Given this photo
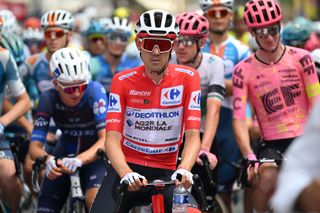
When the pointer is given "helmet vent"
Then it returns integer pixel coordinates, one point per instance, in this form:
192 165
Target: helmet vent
71 56
147 19
195 25
75 69
168 20
158 17
265 15
60 68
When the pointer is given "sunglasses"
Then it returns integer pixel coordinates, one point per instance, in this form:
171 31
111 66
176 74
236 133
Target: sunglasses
96 39
264 32
73 88
114 37
52 34
187 42
148 44
222 13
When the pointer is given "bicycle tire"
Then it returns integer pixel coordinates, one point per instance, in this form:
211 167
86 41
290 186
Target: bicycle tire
218 206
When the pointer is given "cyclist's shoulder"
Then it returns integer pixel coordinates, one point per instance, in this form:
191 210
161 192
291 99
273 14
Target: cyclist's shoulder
33 59
296 52
179 70
209 58
95 88
129 73
49 96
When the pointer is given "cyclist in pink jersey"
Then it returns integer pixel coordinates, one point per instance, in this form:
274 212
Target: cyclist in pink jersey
281 83
151 107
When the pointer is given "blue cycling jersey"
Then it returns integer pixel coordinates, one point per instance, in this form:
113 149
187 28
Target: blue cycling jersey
36 67
231 51
79 124
101 70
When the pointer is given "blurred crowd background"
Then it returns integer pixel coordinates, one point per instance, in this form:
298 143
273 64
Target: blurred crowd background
84 9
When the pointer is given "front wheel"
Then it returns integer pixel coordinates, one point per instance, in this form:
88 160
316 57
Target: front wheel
78 207
218 206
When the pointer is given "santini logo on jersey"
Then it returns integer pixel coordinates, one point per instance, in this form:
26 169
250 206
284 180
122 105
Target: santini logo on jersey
194 103
127 75
114 103
171 96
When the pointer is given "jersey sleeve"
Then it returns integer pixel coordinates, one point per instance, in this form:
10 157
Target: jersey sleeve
192 112
217 86
115 114
99 105
310 78
42 118
13 80
240 92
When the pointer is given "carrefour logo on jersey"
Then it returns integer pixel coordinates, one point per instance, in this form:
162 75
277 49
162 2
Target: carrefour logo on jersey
114 103
194 103
171 96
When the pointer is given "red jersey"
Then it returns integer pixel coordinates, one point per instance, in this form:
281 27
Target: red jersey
152 117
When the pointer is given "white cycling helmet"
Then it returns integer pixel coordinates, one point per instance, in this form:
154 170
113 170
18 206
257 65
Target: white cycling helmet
316 57
10 23
157 23
69 65
57 18
207 4
117 24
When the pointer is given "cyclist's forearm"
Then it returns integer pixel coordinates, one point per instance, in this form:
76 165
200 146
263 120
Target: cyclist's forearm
90 154
191 149
115 153
241 133
36 150
228 84
17 110
211 123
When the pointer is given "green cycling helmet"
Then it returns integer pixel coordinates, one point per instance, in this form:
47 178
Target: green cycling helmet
14 44
295 34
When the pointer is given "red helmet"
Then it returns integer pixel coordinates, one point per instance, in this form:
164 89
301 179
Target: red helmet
262 13
193 24
32 22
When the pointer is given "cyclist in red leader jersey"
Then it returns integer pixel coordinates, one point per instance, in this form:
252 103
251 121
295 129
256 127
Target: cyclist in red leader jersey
281 83
150 108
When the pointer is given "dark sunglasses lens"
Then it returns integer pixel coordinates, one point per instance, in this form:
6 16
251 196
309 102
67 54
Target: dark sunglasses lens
55 33
80 88
164 45
218 13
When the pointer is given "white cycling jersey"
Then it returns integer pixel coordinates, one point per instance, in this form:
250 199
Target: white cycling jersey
211 71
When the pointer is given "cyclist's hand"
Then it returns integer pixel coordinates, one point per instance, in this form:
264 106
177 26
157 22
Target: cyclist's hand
71 164
183 177
252 157
211 157
135 181
52 168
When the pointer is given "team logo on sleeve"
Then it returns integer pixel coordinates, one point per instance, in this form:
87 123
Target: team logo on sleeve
99 107
194 103
171 96
114 103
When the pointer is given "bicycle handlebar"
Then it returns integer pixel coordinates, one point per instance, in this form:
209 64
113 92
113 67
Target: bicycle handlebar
35 173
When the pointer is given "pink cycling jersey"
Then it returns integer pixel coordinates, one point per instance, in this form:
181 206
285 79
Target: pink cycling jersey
281 93
152 117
